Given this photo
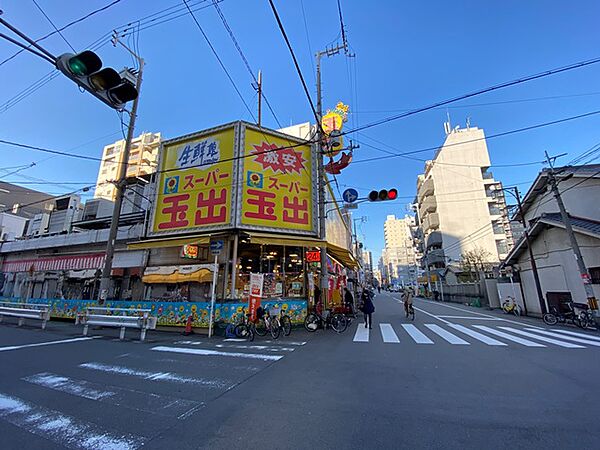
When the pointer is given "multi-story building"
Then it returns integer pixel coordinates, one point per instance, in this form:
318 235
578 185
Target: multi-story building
399 252
143 157
461 207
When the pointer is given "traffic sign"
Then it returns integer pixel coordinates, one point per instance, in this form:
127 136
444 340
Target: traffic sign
350 195
350 205
216 247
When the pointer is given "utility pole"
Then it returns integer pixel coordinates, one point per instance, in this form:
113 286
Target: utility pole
320 170
536 276
120 182
259 88
585 276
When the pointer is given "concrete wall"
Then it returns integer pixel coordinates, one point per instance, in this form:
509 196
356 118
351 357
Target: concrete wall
557 267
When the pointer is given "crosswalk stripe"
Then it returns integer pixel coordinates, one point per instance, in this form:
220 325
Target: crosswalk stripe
416 334
446 335
475 335
542 338
66 431
388 334
202 352
568 338
509 337
362 334
586 336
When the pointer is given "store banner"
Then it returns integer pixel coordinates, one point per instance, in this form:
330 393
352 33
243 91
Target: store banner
71 262
256 292
278 184
194 189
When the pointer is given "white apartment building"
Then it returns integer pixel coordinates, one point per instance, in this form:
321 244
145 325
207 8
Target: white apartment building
461 207
399 252
143 158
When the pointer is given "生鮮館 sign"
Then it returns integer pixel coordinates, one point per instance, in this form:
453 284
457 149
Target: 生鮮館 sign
235 176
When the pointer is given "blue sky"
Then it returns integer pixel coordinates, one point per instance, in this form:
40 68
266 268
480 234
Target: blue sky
408 54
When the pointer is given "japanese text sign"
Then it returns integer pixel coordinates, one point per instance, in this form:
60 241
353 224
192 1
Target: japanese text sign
195 184
277 184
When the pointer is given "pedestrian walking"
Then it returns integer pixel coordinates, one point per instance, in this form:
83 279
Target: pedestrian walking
349 301
367 309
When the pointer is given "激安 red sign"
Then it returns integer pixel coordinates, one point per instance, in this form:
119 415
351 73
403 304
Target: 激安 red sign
313 256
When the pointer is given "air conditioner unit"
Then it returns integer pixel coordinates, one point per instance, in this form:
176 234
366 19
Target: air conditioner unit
97 208
39 224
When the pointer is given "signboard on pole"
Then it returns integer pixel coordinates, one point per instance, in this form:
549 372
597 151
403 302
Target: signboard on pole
216 247
256 291
350 195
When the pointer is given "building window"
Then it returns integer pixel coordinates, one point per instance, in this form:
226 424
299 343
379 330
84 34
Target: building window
498 228
595 274
502 247
494 210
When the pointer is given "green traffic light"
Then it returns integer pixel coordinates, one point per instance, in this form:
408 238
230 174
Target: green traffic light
84 63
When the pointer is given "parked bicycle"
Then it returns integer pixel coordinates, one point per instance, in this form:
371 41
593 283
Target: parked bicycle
245 329
510 306
570 315
264 324
336 321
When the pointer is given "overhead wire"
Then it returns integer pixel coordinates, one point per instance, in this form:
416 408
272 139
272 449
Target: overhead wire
244 59
53 25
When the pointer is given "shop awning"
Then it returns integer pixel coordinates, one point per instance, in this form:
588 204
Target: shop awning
342 255
168 242
277 239
177 274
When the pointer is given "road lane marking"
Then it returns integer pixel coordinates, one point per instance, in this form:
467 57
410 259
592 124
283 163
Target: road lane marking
163 405
446 335
39 344
234 340
509 337
362 333
470 318
66 431
568 338
542 338
256 347
155 376
427 313
298 343
416 334
203 352
583 335
388 334
475 335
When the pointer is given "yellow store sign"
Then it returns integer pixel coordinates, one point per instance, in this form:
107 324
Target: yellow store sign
277 185
194 188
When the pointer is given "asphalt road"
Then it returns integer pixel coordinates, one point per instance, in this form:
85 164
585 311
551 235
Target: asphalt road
455 378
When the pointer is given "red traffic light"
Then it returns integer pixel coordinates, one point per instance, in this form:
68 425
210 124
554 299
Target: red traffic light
382 195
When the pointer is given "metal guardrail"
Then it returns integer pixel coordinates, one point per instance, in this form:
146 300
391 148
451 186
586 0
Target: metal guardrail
25 311
128 318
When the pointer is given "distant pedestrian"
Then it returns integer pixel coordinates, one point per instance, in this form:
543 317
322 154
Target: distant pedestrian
349 301
368 309
407 297
379 289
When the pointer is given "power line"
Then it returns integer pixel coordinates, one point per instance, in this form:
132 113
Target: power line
505 133
312 64
64 28
52 23
496 87
244 59
289 46
219 59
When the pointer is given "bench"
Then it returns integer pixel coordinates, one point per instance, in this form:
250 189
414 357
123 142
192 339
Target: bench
117 317
25 311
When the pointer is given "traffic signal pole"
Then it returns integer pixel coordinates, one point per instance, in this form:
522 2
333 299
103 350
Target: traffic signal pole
120 184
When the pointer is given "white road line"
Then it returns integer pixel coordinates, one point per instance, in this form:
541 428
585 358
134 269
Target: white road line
416 334
234 340
446 335
388 334
542 338
285 342
509 337
192 342
586 336
362 333
427 313
202 352
154 376
472 312
257 347
163 405
40 344
568 338
470 318
475 335
66 431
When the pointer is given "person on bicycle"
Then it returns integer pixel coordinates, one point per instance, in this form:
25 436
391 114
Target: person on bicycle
368 309
408 299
